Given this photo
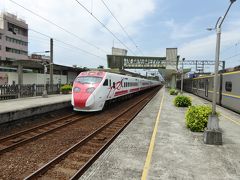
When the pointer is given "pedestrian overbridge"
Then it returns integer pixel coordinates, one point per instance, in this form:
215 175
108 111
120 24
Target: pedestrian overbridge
167 66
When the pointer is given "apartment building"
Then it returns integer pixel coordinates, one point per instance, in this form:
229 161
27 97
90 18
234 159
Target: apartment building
13 37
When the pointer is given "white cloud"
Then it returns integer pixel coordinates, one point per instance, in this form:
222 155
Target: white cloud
71 16
204 47
187 33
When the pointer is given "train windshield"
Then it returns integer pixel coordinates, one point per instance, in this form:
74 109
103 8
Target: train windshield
88 79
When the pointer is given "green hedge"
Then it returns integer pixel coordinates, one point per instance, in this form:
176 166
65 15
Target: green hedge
197 117
182 101
173 92
66 88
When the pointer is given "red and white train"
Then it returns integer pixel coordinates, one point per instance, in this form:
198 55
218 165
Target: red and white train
91 89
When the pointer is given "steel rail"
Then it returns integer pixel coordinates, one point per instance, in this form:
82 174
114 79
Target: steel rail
63 155
34 137
11 136
80 172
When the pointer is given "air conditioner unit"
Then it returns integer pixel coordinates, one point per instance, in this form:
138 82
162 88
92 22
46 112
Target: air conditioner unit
15 30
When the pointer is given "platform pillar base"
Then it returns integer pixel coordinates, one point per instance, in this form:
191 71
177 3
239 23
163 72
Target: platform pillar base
213 137
45 95
212 134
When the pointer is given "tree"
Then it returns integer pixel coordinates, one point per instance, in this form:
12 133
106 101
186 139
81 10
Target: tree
100 67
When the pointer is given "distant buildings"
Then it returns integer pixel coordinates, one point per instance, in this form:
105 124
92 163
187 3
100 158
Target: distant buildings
13 37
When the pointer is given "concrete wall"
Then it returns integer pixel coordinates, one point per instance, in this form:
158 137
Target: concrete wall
71 76
118 51
35 78
10 116
171 58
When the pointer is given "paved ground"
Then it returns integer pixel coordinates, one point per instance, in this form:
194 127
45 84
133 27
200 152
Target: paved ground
24 103
178 153
15 109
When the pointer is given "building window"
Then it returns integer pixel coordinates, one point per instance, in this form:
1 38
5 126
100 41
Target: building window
16 51
228 86
17 41
17 30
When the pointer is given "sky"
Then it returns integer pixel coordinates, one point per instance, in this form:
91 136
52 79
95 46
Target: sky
151 27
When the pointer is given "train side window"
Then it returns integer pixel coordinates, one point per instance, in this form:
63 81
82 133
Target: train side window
105 82
113 84
201 84
228 86
194 84
110 82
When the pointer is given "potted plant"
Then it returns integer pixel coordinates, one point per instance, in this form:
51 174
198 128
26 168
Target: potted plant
66 89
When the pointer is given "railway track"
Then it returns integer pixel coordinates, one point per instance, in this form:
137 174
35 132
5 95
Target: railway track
18 139
72 163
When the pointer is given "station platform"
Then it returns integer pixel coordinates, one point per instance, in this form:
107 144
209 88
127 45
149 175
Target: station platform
157 145
11 110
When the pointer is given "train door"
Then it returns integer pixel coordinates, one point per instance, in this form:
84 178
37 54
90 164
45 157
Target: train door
111 87
206 87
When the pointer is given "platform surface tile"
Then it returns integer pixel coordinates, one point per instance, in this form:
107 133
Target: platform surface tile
178 153
25 103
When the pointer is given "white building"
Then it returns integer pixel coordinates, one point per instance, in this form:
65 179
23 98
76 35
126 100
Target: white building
13 37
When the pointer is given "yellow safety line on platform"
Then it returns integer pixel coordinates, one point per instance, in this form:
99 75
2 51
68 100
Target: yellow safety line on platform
150 149
238 123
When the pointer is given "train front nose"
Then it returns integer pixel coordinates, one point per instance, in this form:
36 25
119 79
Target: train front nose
90 101
83 100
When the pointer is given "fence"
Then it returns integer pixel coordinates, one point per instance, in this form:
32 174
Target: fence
28 90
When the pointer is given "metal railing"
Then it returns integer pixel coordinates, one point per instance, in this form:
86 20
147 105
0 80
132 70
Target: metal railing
26 90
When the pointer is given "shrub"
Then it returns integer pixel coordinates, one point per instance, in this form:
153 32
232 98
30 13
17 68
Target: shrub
66 88
182 101
197 117
173 92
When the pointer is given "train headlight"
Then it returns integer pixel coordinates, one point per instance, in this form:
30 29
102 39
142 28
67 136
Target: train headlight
76 89
90 90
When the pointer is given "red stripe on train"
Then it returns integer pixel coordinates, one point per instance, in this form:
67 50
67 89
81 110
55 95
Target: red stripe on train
118 93
134 90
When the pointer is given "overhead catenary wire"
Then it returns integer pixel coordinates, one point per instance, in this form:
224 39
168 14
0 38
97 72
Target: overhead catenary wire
230 57
60 27
231 47
121 27
56 44
70 45
104 26
86 52
82 50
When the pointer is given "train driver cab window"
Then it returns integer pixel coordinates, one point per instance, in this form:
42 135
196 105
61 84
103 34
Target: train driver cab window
105 82
228 86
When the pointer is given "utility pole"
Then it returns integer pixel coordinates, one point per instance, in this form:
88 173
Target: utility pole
182 77
51 62
45 95
212 134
